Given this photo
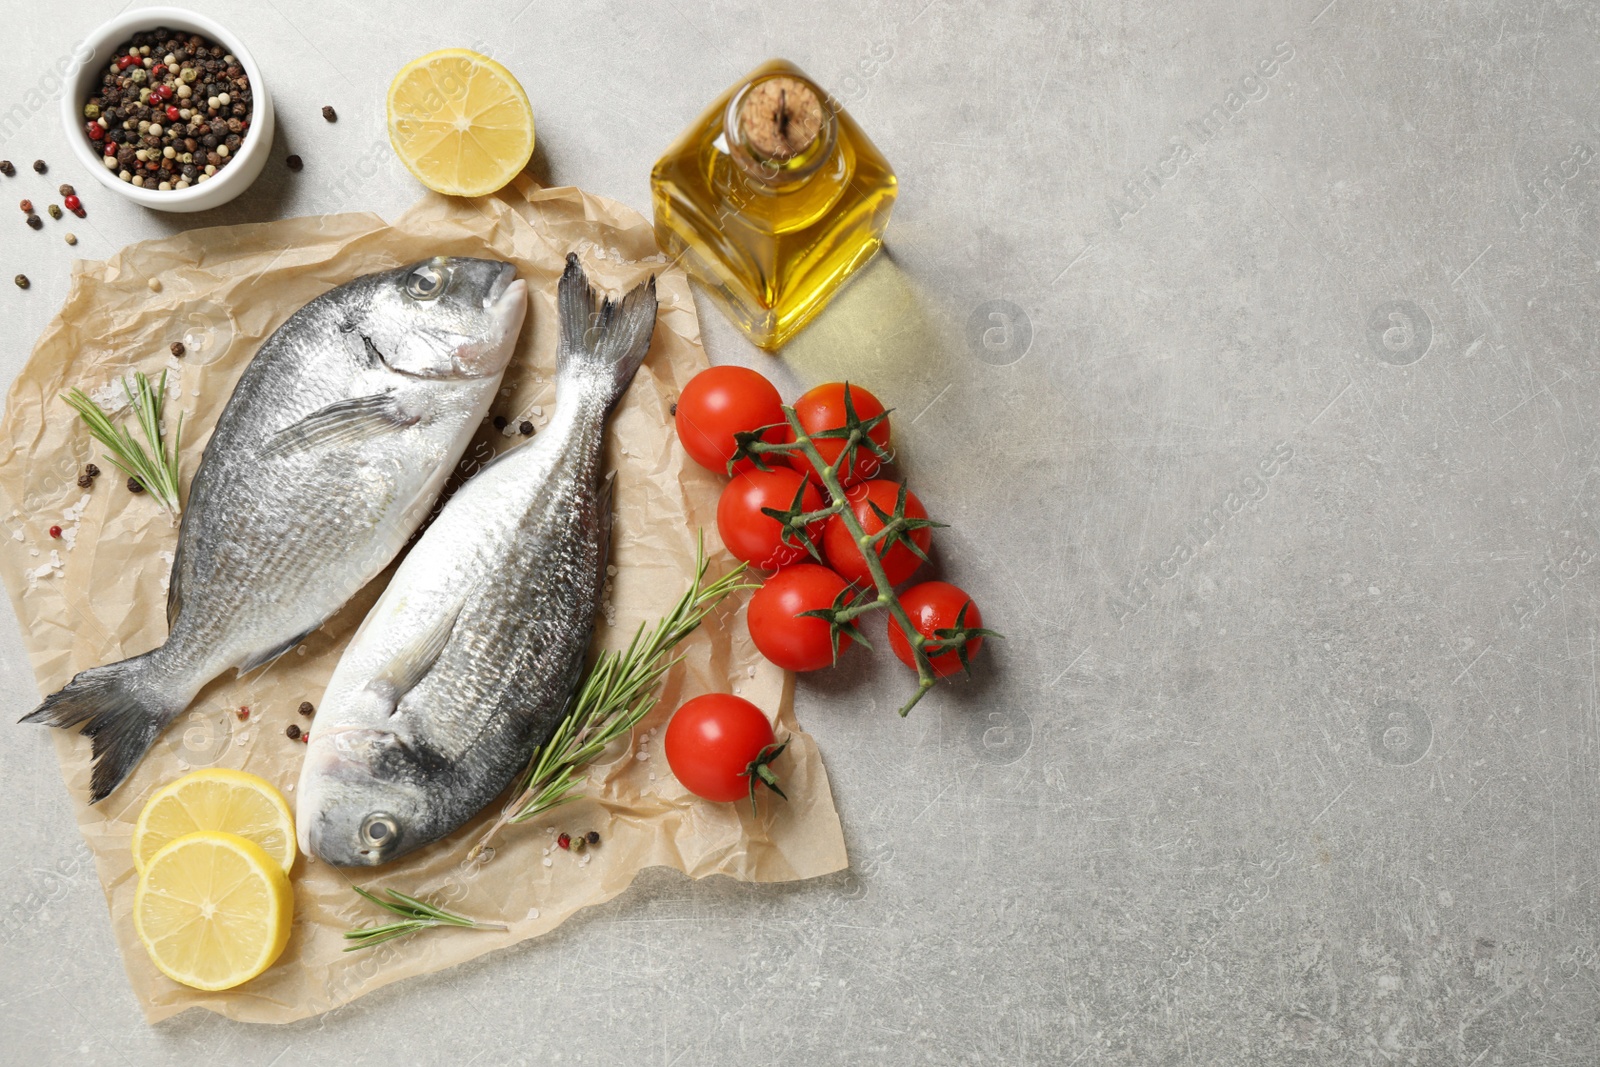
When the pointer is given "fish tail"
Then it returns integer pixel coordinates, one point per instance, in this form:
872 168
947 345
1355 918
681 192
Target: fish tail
123 707
602 340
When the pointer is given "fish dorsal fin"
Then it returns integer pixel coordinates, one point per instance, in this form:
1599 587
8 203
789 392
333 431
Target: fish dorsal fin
412 663
264 658
360 418
175 581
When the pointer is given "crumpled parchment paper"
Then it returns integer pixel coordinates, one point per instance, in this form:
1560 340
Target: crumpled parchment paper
98 594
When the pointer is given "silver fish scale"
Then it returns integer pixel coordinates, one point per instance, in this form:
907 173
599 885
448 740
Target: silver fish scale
288 540
504 678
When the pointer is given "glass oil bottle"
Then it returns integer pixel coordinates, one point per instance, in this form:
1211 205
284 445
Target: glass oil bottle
772 200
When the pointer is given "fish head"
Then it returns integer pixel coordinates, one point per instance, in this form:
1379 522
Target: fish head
362 799
446 317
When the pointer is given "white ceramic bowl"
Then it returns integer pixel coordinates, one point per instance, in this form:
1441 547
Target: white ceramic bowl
230 180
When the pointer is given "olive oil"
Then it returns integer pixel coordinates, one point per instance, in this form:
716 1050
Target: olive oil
772 200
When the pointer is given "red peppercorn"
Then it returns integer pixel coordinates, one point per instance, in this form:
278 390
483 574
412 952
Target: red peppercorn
96 131
565 840
305 738
111 148
125 62
172 113
244 713
158 70
27 207
55 531
72 202
164 91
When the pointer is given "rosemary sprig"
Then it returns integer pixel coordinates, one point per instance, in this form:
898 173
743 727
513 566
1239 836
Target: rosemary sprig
619 690
416 915
158 473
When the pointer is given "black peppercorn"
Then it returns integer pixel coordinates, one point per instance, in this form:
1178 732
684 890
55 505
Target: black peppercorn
92 471
7 169
36 222
177 349
22 281
306 709
295 163
134 486
39 166
525 428
67 190
499 422
329 114
593 837
292 731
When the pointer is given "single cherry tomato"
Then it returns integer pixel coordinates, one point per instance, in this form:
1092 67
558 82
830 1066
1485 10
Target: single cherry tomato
756 538
823 409
720 402
794 641
936 606
719 747
844 555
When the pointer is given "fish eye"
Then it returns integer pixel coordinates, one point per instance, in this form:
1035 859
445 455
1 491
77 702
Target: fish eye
378 829
427 281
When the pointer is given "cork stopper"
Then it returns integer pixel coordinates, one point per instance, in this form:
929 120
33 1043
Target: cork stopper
781 117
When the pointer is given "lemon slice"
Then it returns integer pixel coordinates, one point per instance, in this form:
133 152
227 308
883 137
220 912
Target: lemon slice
213 910
216 799
460 122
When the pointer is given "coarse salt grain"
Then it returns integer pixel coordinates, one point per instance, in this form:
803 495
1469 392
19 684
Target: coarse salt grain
548 861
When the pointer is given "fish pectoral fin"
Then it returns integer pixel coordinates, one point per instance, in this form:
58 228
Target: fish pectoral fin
263 658
343 422
412 663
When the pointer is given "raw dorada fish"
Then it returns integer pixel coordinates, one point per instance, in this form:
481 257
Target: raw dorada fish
327 458
468 660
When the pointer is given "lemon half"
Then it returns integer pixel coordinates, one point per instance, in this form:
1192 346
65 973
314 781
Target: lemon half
213 910
216 799
460 122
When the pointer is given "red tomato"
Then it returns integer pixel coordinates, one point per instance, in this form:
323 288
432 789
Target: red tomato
776 626
713 744
720 402
823 409
756 538
844 555
935 606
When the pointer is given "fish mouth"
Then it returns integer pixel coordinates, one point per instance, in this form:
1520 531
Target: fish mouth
497 288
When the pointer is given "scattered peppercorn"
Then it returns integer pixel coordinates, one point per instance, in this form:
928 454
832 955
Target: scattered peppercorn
593 837
55 531
295 163
580 843
292 731
177 349
72 238
305 738
154 284
55 211
92 471
673 410
306 709
329 114
565 841
36 222
39 167
7 169
67 190
134 486
26 206
499 422
22 281
71 200
243 712
526 428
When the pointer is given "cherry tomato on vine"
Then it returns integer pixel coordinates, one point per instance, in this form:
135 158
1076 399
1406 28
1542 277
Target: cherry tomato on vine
720 402
845 556
822 409
936 606
792 641
719 746
754 537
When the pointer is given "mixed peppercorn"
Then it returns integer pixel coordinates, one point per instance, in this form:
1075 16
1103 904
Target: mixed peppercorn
171 111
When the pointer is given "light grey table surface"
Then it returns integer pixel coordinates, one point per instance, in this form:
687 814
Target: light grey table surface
1284 767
